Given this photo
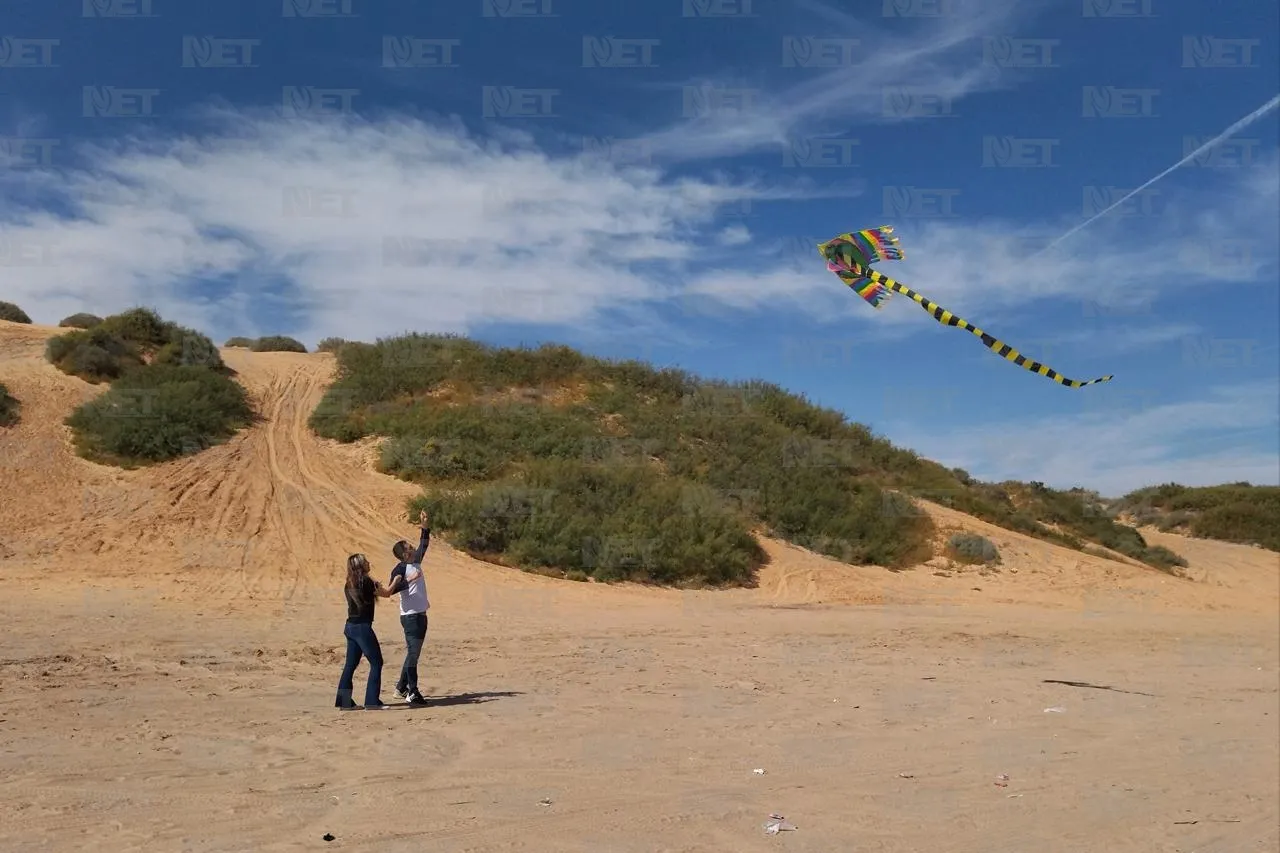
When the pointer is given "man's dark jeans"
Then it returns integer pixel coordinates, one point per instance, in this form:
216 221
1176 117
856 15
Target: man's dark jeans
361 642
415 634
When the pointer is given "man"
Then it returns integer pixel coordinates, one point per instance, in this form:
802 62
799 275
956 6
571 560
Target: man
407 580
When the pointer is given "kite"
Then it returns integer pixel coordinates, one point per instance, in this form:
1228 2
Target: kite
850 257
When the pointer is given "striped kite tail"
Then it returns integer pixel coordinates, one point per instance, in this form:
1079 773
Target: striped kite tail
1000 348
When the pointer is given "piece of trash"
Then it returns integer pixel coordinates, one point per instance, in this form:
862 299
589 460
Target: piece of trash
1056 709
906 776
545 801
777 823
1002 780
759 771
1012 796
328 836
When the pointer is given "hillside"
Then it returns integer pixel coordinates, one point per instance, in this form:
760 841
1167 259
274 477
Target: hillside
553 462
675 468
268 515
1239 512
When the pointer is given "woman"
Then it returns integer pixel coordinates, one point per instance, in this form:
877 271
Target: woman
360 591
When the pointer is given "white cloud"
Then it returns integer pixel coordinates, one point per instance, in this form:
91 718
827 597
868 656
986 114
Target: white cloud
374 227
1125 443
937 61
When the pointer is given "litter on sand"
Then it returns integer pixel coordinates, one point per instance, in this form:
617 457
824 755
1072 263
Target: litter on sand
777 823
759 771
1002 781
1056 709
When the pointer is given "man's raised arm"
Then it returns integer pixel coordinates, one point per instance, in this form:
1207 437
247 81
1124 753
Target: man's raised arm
425 524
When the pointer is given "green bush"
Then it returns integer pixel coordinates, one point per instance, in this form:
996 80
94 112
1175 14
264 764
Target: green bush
95 355
189 348
160 412
10 409
122 342
972 549
278 343
244 343
330 345
139 326
12 313
1164 559
1235 512
612 524
80 321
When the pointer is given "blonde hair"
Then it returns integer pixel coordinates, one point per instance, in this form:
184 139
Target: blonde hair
357 569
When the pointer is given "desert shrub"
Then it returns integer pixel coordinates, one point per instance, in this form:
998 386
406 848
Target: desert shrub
159 412
80 321
12 313
278 343
612 524
1164 559
972 549
330 345
189 348
124 341
139 326
1233 512
95 355
244 343
10 408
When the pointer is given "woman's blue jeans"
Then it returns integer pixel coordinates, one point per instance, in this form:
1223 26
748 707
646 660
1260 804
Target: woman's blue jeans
361 642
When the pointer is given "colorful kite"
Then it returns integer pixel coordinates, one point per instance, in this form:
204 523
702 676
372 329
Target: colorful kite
850 257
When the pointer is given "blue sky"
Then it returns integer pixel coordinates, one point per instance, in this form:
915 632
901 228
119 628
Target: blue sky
643 180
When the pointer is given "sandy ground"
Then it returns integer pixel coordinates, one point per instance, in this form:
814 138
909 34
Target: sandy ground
174 637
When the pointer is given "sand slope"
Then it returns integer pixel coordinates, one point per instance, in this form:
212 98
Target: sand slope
174 635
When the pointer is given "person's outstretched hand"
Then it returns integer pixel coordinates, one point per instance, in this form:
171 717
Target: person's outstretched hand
422 519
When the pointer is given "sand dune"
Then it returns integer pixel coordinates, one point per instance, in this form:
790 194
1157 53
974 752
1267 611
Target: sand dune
174 638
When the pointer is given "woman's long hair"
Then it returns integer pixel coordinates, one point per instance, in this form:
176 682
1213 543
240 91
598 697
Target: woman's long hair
357 570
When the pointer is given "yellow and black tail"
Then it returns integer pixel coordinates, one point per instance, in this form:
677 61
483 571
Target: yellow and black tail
1001 349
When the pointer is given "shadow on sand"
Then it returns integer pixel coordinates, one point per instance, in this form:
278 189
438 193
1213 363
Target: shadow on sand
456 699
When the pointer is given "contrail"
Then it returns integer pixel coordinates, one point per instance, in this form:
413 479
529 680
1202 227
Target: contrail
1240 125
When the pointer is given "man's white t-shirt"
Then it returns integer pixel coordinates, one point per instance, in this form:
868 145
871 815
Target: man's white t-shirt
413 598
